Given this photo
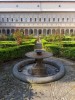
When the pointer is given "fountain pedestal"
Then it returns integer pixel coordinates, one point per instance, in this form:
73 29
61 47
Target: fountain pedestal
39 68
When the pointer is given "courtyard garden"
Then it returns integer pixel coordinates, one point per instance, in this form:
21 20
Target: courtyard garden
13 49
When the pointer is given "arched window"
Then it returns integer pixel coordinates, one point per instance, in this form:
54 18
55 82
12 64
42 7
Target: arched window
67 19
53 19
3 31
8 32
62 19
30 19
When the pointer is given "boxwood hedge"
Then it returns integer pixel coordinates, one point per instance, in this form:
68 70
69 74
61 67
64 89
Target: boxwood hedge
67 52
15 52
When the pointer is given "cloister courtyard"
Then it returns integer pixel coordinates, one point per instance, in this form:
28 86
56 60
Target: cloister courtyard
13 49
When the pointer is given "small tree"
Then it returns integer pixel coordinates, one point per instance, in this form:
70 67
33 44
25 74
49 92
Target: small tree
18 36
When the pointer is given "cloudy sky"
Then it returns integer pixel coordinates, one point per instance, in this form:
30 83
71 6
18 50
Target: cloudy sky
37 0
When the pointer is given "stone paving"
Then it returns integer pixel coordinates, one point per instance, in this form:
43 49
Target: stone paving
13 89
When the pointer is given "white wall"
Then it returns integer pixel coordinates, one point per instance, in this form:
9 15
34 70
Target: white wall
37 6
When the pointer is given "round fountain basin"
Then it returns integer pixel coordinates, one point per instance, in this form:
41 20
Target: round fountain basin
54 71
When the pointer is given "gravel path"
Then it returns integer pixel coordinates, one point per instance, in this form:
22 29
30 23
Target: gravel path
63 89
13 89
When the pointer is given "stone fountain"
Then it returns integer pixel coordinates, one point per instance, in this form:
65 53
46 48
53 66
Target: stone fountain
38 69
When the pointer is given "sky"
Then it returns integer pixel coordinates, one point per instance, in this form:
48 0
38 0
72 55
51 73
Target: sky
37 0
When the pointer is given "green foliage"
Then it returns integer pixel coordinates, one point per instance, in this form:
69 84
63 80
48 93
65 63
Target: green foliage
5 44
55 49
61 48
10 38
3 37
68 52
15 52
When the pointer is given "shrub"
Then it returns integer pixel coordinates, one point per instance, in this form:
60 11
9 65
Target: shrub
15 52
68 52
18 36
55 49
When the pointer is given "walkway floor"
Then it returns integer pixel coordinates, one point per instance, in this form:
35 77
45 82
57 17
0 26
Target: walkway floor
13 89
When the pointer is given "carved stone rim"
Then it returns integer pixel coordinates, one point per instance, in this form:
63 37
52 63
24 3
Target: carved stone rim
32 79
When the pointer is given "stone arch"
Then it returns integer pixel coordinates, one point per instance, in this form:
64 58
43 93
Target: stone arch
3 31
12 31
71 31
48 31
21 30
67 32
35 32
26 31
44 32
53 31
39 32
30 31
8 31
62 31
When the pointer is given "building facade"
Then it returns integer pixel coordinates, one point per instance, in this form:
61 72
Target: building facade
37 17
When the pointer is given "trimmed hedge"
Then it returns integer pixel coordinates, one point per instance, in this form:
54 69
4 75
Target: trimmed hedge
15 52
67 52
6 44
55 49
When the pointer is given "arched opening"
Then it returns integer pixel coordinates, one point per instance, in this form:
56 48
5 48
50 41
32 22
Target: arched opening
62 31
30 31
3 31
12 31
53 31
39 32
35 32
0 31
67 32
71 31
48 31
57 31
8 32
26 31
44 32
22 31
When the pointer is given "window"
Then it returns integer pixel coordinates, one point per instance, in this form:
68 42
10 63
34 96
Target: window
35 19
67 19
21 19
62 19
2 19
49 19
44 19
39 19
12 19
7 19
53 19
30 19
